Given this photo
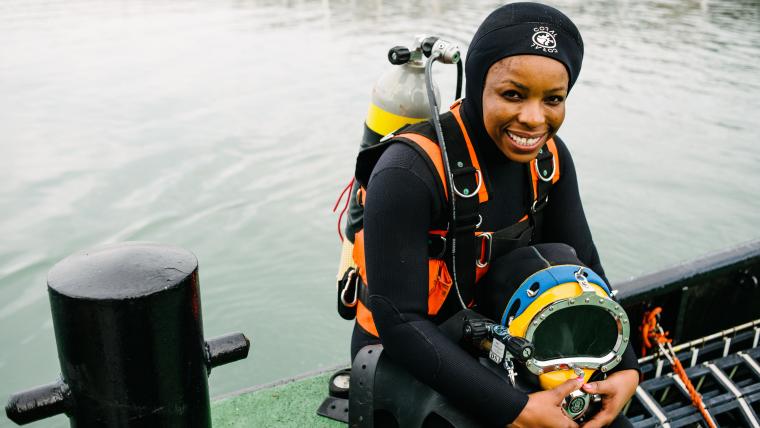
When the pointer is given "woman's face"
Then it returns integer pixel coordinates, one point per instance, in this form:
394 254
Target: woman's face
524 103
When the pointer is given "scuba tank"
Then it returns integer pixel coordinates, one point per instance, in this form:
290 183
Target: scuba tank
399 98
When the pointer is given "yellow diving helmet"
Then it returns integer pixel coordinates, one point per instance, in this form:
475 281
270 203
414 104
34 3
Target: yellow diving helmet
567 312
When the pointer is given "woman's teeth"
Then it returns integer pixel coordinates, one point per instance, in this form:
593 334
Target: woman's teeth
522 141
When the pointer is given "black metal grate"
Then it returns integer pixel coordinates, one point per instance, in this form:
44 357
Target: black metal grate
725 371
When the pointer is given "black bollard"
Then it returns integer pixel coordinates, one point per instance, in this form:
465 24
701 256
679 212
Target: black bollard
127 321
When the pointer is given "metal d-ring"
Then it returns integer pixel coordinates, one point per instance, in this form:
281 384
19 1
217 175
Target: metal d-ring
477 189
554 170
535 202
486 235
349 279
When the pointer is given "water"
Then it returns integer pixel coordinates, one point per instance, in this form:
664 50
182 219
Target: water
228 128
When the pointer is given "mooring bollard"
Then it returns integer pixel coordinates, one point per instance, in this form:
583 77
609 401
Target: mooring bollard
127 320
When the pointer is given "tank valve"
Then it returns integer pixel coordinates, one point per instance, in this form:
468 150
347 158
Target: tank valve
399 55
446 52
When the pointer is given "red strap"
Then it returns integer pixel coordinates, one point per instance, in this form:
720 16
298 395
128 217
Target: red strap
345 207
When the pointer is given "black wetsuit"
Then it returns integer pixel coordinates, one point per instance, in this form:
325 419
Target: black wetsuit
403 201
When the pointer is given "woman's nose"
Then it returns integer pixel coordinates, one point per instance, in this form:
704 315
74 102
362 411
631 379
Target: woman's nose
532 114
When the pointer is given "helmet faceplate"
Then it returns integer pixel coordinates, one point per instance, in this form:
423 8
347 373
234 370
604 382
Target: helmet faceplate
567 312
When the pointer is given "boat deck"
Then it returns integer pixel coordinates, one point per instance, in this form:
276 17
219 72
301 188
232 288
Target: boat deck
290 404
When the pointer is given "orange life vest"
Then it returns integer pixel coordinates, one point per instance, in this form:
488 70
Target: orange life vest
439 279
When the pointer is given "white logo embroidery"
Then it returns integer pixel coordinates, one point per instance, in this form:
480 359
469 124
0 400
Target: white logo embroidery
544 39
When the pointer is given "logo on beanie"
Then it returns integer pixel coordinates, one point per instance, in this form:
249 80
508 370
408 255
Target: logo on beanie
544 39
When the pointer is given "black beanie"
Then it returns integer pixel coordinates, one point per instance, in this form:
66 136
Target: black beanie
519 29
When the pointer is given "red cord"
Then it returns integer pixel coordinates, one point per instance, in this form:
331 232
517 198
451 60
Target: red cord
696 397
652 332
345 207
649 330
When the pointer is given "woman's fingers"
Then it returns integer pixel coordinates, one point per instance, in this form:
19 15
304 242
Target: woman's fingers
543 408
602 387
616 390
563 390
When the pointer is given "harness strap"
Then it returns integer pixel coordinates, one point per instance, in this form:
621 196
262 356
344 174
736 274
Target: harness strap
455 112
467 182
502 242
512 237
543 172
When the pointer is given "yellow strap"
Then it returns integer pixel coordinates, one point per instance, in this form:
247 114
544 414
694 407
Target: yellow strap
384 122
346 259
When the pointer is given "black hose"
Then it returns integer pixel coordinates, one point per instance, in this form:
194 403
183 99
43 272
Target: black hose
434 112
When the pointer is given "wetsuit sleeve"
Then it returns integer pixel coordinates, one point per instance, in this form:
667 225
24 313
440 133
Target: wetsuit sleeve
400 207
565 221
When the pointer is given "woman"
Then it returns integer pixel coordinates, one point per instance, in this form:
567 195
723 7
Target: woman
521 64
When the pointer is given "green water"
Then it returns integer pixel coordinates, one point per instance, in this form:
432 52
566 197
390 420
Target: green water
229 128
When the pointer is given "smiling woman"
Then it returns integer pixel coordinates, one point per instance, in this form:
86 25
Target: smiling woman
524 104
501 141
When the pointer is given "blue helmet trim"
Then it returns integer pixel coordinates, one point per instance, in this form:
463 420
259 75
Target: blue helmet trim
547 279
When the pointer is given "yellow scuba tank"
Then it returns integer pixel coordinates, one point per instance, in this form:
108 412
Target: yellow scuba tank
399 96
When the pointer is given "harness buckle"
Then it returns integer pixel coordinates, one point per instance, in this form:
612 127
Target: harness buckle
486 255
469 194
349 282
536 207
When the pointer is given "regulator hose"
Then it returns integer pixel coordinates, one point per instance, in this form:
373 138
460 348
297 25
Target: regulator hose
434 112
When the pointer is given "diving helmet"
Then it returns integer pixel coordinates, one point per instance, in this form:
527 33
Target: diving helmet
564 309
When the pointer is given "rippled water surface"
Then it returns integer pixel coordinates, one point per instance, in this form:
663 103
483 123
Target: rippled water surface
228 128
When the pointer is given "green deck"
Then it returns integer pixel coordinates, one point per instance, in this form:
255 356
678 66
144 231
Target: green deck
290 404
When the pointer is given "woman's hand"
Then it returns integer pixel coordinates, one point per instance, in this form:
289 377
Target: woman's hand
616 390
544 408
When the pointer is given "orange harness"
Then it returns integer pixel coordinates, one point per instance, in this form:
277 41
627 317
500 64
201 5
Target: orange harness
439 278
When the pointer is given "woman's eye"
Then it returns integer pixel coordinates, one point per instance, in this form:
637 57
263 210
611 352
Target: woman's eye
511 95
555 100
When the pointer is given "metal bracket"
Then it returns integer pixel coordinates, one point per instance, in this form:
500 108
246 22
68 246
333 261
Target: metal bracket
652 406
723 379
